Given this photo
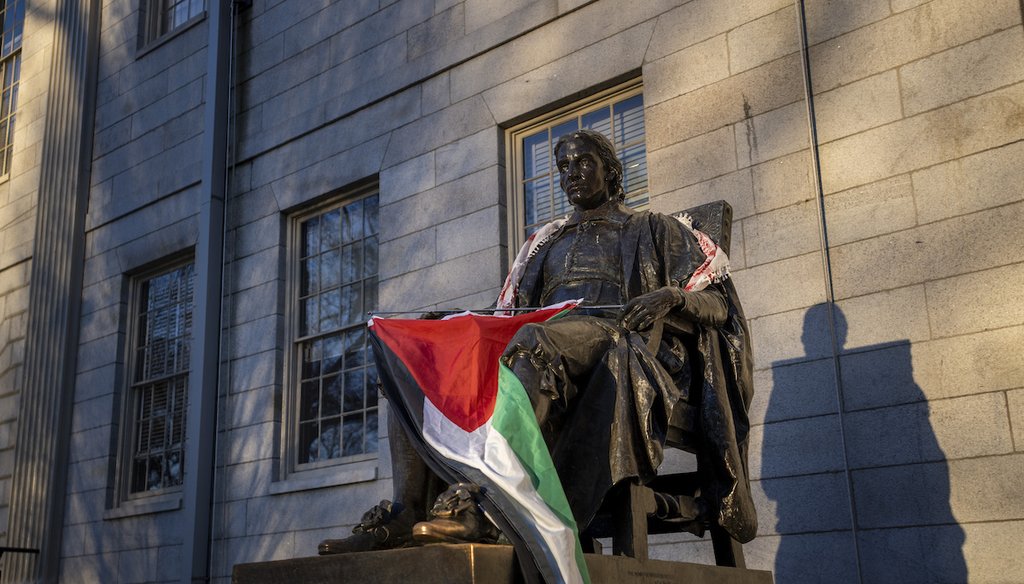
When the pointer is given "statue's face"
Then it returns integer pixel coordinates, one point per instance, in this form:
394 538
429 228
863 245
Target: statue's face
582 174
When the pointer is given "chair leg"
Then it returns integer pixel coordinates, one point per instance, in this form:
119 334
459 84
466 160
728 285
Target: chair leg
728 551
630 538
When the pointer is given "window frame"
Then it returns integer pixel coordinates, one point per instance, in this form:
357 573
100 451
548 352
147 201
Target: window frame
297 475
150 36
11 60
516 207
168 497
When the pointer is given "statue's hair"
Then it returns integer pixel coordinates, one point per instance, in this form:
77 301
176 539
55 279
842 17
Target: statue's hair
606 151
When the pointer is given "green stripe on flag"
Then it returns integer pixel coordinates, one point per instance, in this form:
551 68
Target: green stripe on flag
513 418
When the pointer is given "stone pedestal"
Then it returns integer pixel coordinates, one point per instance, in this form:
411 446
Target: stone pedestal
476 564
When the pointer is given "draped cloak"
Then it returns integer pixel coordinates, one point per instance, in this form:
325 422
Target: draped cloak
696 376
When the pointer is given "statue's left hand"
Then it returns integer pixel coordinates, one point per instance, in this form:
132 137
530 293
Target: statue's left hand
641 312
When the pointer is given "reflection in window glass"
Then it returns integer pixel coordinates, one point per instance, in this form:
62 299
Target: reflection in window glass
337 272
159 390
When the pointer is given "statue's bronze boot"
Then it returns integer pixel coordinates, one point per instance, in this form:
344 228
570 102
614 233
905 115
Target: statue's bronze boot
456 519
383 527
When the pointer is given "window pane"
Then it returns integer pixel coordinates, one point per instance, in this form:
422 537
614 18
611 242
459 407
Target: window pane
599 121
536 155
160 379
337 258
629 120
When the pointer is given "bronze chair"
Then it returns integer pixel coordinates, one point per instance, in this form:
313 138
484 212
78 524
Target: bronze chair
628 515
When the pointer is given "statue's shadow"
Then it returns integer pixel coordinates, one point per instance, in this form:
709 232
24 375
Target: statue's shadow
895 498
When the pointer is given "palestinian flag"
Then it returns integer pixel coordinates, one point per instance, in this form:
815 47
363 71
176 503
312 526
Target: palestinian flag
472 420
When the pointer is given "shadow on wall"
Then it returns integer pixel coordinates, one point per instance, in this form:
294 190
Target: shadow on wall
900 479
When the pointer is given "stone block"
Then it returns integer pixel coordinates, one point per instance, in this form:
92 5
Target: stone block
781 286
469 234
693 161
871 210
891 316
944 429
251 443
137 565
796 447
88 475
91 443
916 554
958 491
728 101
168 562
763 40
964 71
795 335
255 336
734 187
468 155
262 234
1015 404
543 44
479 13
99 323
437 93
408 253
275 546
737 251
331 174
443 282
697 21
784 181
969 364
443 127
253 371
257 269
444 203
771 135
861 105
683 71
319 508
979 181
896 40
823 558
809 503
97 353
247 480
938 250
975 302
407 178
438 30
787 391
828 19
252 205
95 382
782 233
93 413
615 57
253 407
957 130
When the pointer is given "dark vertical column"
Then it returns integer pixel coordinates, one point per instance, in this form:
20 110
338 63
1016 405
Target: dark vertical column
44 429
202 383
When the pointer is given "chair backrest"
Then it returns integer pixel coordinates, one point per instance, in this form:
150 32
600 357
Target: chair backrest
714 219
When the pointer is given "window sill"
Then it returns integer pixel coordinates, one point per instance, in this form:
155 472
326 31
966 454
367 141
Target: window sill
146 506
356 472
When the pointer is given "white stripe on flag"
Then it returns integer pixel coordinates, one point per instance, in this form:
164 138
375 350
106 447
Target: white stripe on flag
486 450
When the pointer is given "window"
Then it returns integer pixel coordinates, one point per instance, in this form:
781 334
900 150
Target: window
335 274
617 113
160 17
159 363
12 21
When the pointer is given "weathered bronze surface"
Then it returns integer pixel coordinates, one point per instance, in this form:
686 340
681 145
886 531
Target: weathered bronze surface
475 564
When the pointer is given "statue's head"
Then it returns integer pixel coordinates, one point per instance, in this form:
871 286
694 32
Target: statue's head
589 171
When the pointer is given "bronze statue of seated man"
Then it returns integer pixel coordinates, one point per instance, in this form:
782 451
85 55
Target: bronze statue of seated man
603 382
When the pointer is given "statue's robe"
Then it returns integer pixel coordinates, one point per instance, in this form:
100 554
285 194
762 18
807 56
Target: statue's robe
605 395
